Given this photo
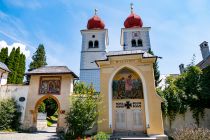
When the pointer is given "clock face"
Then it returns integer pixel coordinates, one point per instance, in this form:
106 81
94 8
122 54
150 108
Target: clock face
135 34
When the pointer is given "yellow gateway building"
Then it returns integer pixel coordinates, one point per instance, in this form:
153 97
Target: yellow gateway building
125 79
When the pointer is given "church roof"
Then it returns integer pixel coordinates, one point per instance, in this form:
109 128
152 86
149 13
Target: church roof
130 52
4 67
204 63
46 70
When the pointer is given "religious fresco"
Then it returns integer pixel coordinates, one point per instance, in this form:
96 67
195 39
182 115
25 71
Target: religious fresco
127 85
50 85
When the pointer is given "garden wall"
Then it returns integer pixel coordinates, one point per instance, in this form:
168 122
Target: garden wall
19 92
186 120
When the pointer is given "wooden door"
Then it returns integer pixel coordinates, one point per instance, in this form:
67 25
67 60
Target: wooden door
120 119
137 119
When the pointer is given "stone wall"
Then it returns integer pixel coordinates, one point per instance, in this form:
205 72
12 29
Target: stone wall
18 92
186 120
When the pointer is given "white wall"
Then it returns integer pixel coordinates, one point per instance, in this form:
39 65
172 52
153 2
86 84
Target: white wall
3 78
186 120
15 91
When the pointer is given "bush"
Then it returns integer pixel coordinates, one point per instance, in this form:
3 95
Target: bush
101 136
9 114
191 133
83 111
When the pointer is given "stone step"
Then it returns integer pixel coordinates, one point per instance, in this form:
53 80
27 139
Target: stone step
130 135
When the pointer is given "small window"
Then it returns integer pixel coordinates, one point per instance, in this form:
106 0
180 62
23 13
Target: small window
93 36
140 43
90 45
96 44
133 43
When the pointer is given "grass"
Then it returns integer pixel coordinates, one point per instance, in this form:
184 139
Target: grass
52 119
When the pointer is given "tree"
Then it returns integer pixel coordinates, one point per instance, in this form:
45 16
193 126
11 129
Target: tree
172 104
156 71
9 114
11 65
190 83
3 55
83 111
21 69
39 58
16 63
205 86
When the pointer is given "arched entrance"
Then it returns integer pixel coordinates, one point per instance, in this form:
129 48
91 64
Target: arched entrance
47 112
128 101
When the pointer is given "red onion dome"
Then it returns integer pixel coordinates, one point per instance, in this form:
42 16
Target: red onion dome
133 20
95 23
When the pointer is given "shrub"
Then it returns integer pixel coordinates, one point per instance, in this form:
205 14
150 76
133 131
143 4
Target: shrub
9 114
191 133
82 116
101 136
83 111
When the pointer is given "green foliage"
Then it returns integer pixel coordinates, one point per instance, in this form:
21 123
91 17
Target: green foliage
156 70
82 88
11 65
3 55
172 104
190 83
101 136
21 69
16 63
39 58
188 90
205 86
83 111
41 108
49 106
191 133
9 114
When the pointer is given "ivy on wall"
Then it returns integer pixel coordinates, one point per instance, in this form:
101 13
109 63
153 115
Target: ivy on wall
188 90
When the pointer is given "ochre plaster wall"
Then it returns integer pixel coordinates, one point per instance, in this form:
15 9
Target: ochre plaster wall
34 98
143 67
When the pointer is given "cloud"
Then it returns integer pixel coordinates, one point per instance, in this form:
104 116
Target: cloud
23 49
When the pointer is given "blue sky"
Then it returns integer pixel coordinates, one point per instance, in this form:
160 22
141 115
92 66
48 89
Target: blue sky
177 27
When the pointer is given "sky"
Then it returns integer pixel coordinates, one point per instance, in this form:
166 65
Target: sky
177 27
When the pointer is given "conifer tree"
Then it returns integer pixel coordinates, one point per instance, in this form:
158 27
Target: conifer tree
11 65
39 58
3 55
16 63
21 69
156 71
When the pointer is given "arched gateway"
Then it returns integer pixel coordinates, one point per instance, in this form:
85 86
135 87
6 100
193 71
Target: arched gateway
128 101
129 98
54 82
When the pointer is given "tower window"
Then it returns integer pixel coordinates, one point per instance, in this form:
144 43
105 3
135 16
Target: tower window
140 43
133 43
90 44
96 44
93 36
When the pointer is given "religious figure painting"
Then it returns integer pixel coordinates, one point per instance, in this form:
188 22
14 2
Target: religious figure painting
127 85
49 85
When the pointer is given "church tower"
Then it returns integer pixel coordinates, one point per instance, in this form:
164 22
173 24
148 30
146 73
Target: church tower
134 36
94 43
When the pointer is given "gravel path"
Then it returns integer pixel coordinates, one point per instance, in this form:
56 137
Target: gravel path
48 134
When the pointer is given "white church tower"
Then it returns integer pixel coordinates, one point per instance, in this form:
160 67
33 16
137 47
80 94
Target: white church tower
134 36
94 43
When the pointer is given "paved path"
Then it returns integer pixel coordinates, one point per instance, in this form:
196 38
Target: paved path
48 134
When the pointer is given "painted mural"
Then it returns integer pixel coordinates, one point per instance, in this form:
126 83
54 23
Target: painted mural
49 85
127 85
